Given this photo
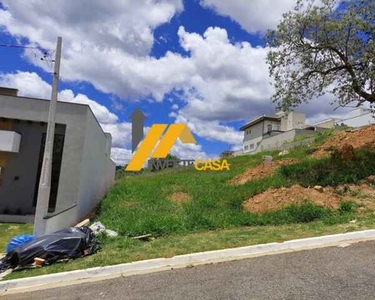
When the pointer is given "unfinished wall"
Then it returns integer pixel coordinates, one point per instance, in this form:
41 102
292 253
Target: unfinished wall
292 120
328 124
275 142
97 168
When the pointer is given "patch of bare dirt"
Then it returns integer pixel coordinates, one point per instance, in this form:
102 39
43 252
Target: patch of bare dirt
275 199
179 197
362 138
261 171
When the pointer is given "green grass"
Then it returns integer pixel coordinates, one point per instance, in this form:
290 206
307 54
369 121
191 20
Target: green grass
322 136
10 230
214 218
327 171
124 250
139 204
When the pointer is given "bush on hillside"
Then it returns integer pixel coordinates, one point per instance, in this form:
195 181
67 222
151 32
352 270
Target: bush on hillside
324 135
331 171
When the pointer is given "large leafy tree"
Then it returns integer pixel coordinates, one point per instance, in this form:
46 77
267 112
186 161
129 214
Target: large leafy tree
325 46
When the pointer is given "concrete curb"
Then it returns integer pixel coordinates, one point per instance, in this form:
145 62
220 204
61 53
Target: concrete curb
181 261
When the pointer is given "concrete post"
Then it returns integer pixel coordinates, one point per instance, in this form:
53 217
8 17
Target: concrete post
45 176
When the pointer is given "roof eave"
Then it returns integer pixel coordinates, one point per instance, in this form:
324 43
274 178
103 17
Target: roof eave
258 120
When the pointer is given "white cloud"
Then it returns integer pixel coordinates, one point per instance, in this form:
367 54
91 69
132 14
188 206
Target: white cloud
120 24
221 81
97 51
230 82
101 112
253 15
212 130
106 43
188 151
121 134
121 156
31 84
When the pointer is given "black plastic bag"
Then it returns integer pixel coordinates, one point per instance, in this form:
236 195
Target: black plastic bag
67 243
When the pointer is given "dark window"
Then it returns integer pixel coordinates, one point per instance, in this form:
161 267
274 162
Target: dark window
58 146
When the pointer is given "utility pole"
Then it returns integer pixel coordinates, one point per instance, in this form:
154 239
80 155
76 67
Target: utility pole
45 176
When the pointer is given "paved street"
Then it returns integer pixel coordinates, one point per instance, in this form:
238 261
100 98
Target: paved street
330 273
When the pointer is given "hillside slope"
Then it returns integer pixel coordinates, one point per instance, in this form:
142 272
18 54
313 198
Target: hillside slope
186 200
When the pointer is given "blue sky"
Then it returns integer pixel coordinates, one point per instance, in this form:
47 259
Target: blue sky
201 62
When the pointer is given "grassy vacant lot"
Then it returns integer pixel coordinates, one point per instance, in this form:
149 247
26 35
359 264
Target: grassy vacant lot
212 216
141 205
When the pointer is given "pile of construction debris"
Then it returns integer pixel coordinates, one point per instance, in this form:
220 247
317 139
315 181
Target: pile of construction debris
27 251
68 243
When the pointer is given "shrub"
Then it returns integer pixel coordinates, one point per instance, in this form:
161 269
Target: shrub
302 213
328 171
306 212
347 206
311 150
324 135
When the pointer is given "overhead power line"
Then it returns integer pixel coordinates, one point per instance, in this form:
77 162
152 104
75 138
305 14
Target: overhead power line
46 53
18 46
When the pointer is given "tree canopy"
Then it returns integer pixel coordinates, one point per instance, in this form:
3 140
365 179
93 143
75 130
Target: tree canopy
324 46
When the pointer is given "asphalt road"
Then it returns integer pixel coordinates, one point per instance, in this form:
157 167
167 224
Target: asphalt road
329 273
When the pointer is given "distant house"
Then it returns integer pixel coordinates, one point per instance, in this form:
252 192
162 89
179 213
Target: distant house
272 132
269 131
82 169
358 117
226 154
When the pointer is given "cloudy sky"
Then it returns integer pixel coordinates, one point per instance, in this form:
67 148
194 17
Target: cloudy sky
200 62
